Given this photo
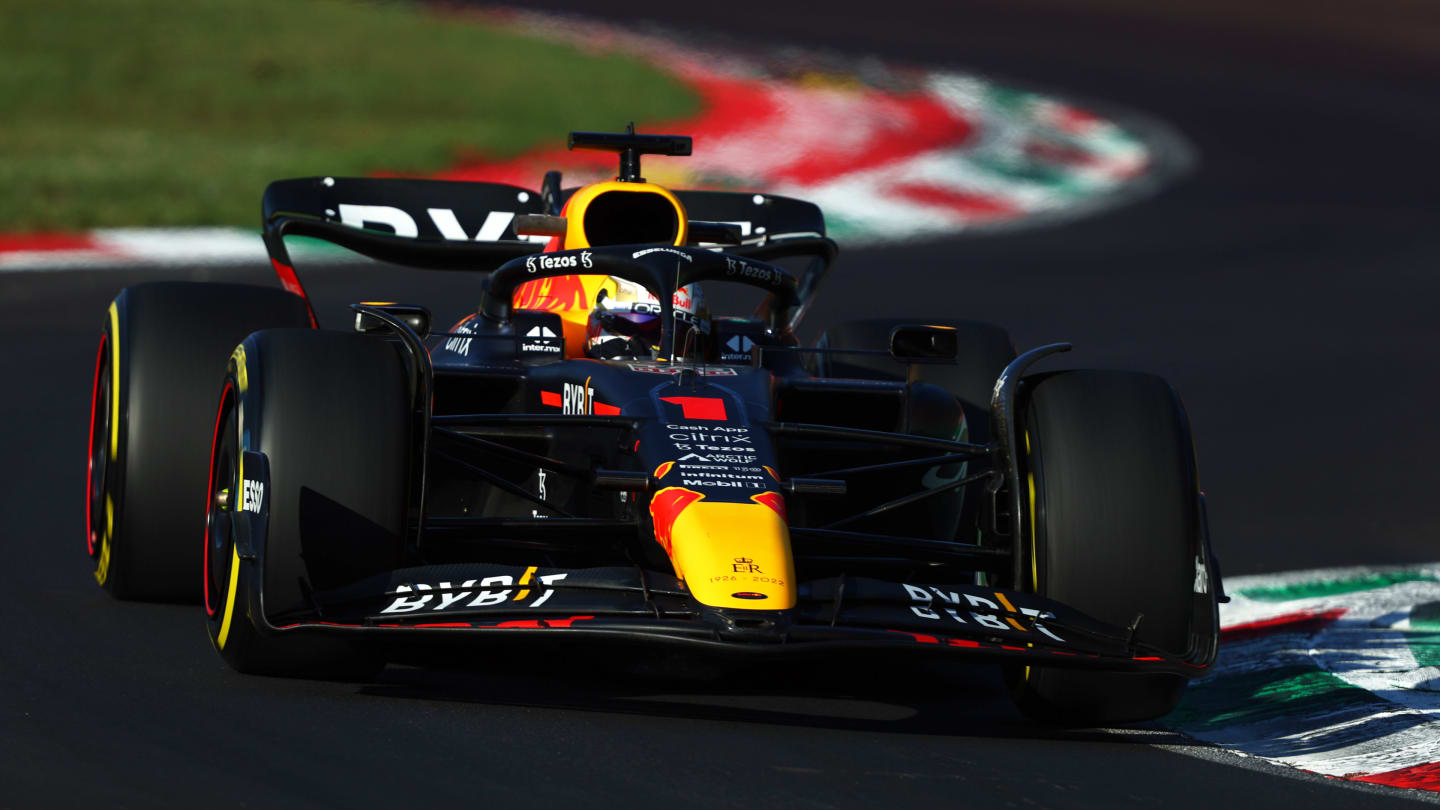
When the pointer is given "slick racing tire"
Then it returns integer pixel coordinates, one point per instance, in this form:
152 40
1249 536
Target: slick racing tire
985 351
1115 530
309 480
162 353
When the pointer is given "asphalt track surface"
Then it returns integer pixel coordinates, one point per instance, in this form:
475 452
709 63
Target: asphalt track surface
1286 287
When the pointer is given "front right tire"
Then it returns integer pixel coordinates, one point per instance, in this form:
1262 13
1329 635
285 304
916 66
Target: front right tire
161 355
1114 531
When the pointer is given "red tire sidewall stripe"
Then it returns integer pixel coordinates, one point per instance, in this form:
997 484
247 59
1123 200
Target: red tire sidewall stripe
90 446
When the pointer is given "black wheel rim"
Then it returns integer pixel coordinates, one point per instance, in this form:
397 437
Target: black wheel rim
224 472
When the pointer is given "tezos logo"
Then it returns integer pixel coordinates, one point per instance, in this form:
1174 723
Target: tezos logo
542 262
734 267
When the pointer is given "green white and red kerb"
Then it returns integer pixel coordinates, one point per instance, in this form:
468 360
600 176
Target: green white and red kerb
1336 672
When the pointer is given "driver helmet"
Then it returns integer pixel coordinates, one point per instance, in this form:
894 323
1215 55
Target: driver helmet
624 324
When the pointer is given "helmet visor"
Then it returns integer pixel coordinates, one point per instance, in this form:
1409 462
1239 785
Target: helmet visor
632 324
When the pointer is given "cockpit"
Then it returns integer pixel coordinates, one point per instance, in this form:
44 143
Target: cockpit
602 316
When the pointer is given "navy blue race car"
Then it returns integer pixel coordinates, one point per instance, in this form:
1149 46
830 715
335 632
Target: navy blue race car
595 456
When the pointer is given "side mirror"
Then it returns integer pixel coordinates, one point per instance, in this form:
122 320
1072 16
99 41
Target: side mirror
719 233
924 344
415 317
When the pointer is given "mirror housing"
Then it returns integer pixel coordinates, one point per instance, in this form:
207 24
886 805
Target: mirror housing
924 344
415 317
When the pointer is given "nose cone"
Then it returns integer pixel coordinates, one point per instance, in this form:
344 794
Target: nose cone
730 555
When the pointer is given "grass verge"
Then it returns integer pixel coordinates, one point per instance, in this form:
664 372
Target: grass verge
151 112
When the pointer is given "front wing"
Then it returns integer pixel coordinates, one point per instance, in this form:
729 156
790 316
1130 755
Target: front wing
839 614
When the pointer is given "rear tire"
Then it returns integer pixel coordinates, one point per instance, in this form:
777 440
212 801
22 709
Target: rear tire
1115 527
330 414
161 355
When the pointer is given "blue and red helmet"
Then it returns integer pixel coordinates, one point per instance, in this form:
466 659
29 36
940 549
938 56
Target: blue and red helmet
625 322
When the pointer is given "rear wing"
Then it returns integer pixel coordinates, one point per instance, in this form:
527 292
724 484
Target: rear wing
401 221
451 225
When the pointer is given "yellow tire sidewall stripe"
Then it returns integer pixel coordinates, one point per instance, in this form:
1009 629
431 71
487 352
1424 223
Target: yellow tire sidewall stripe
241 384
229 617
1034 537
102 565
242 377
114 381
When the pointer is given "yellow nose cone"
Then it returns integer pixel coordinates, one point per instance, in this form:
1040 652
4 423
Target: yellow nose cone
735 555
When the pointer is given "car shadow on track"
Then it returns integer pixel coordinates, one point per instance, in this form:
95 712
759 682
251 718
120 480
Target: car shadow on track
908 696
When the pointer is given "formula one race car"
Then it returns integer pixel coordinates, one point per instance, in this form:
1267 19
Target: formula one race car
591 456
